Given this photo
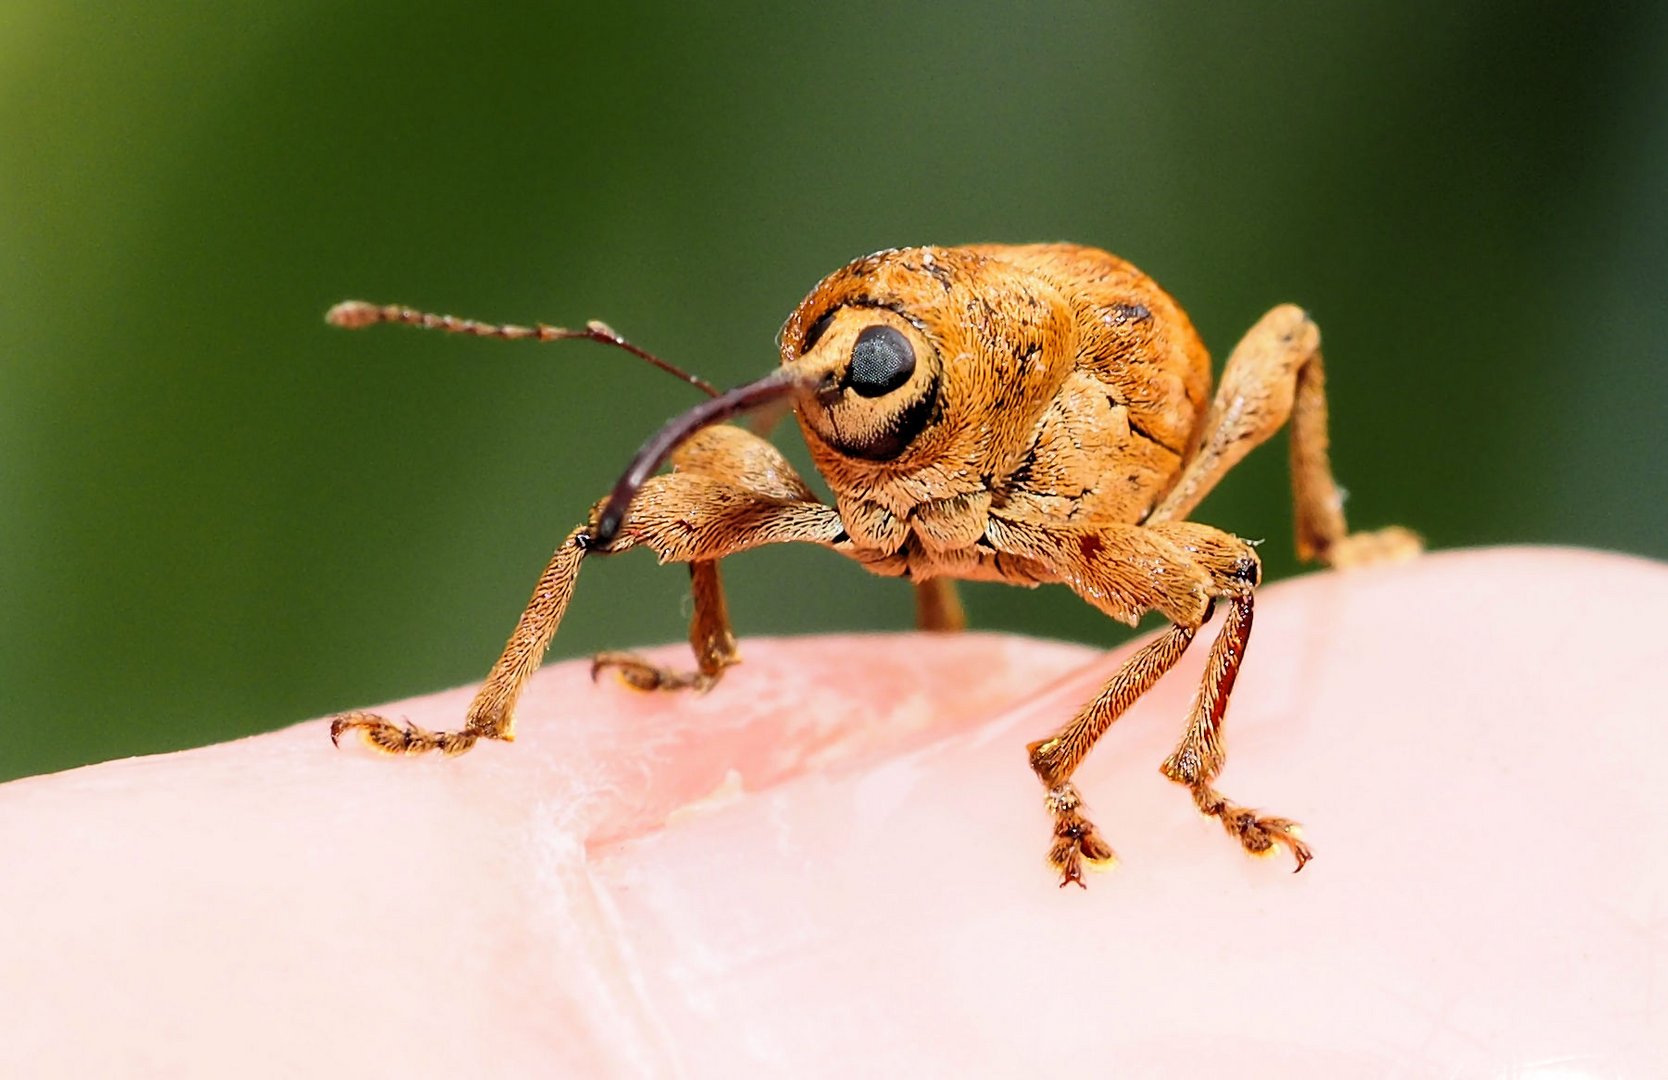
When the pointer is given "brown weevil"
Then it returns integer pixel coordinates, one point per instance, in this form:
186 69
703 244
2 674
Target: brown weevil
1025 414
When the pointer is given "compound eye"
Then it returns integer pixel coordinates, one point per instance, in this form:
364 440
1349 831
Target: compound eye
881 361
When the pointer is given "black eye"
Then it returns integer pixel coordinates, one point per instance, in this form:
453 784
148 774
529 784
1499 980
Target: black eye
881 361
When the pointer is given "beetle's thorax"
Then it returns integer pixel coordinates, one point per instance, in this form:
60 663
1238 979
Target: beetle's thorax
958 381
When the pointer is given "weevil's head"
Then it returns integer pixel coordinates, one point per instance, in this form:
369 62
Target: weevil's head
922 356
903 361
927 373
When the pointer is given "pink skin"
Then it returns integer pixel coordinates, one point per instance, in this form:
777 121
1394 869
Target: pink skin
832 865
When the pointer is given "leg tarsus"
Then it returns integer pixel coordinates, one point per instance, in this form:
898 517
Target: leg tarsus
391 738
1075 837
1257 835
710 633
641 674
1199 757
710 637
1376 547
492 714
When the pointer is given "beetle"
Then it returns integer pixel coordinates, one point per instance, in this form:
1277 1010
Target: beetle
1027 414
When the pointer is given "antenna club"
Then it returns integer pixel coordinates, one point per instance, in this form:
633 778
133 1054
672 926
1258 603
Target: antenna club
353 315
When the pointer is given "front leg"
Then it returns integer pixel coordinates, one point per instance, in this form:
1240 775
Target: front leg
492 714
1182 570
1199 757
1055 758
683 517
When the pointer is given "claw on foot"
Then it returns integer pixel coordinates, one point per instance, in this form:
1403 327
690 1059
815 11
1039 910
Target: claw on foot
391 738
639 674
1261 836
1265 836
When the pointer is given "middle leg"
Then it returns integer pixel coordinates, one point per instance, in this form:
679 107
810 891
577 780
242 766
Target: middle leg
1184 570
710 471
937 607
710 636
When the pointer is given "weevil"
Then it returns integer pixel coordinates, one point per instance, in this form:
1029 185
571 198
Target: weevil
1027 414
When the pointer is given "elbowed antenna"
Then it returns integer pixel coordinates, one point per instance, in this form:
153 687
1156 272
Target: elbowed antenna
356 314
782 383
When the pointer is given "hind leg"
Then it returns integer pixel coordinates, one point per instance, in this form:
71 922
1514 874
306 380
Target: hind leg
1275 373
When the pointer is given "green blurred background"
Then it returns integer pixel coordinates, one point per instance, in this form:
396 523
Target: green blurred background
219 516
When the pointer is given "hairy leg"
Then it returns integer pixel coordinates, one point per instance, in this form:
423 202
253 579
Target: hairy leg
1055 758
1184 570
734 496
1273 374
710 636
711 469
1199 757
492 714
1125 571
